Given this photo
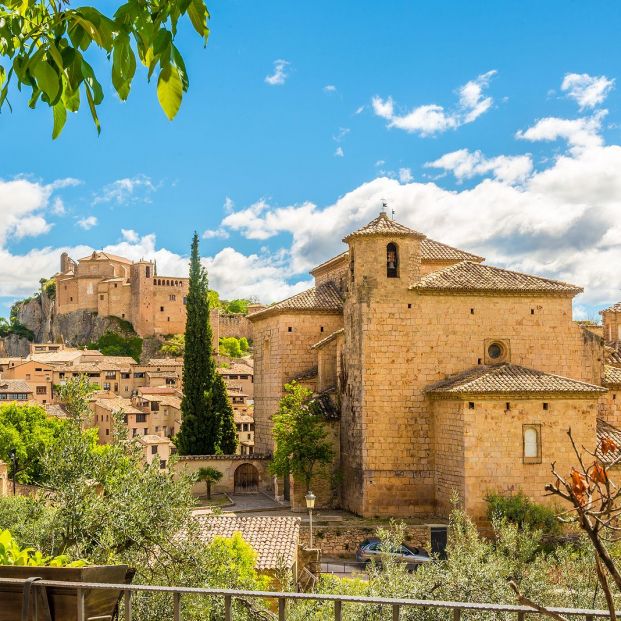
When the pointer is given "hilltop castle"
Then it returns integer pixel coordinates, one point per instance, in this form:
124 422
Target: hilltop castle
444 374
110 285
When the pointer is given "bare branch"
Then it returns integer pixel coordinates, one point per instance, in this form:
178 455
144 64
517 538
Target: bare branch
525 601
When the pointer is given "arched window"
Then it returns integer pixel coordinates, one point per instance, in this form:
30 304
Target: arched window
392 261
532 444
148 272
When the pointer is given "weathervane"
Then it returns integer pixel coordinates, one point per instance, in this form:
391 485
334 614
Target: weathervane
385 207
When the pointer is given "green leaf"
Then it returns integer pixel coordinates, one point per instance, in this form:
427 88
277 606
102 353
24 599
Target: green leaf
60 118
47 79
198 14
123 66
169 91
91 105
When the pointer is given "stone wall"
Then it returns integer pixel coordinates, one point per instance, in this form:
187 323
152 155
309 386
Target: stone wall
234 325
282 352
227 464
493 446
342 540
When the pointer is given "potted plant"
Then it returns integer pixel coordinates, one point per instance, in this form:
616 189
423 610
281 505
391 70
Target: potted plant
23 563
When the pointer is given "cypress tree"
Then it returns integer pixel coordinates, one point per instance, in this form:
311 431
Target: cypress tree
207 425
222 405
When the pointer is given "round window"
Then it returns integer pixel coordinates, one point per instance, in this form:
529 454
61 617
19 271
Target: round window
495 351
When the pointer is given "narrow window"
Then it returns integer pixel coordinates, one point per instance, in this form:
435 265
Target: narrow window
161 309
392 261
507 406
479 361
471 405
472 311
532 444
148 272
532 311
289 329
321 329
409 306
545 406
351 264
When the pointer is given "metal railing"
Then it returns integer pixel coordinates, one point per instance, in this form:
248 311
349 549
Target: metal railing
282 599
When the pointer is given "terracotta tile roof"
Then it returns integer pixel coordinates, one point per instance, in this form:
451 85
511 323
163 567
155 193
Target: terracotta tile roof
612 376
326 297
274 538
612 352
432 250
609 432
468 276
165 362
383 225
510 379
327 339
236 369
103 256
117 404
330 262
242 418
157 390
7 386
615 308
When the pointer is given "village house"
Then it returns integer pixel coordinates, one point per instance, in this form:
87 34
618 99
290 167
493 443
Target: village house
446 374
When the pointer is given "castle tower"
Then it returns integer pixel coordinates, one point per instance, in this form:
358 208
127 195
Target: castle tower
378 456
142 294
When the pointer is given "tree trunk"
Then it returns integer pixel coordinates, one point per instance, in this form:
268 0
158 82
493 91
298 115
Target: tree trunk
208 490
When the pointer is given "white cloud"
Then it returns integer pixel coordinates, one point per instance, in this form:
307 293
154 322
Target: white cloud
430 119
589 91
215 234
359 110
465 164
329 88
405 175
24 205
87 223
339 152
561 222
280 75
126 190
231 273
579 133
229 205
343 131
58 207
130 235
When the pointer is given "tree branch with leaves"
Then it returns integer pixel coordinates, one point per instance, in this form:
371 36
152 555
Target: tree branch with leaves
300 436
44 48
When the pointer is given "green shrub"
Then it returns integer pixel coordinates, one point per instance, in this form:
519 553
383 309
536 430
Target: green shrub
229 346
112 344
48 286
11 553
522 511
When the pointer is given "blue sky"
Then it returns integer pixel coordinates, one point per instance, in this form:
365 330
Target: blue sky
489 125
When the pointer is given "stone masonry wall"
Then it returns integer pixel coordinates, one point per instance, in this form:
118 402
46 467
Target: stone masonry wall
342 540
494 446
282 351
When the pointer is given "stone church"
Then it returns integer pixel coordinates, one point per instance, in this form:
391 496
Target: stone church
445 374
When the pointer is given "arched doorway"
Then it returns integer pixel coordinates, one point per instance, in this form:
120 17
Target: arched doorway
246 479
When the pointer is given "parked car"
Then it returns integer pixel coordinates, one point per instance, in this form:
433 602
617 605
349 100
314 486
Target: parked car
373 548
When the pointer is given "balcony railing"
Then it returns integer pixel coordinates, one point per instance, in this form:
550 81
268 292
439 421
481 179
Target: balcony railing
282 601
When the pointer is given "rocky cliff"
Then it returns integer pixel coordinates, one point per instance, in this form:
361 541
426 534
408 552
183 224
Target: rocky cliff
76 328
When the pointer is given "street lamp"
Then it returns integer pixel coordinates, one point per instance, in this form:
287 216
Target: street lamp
310 505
